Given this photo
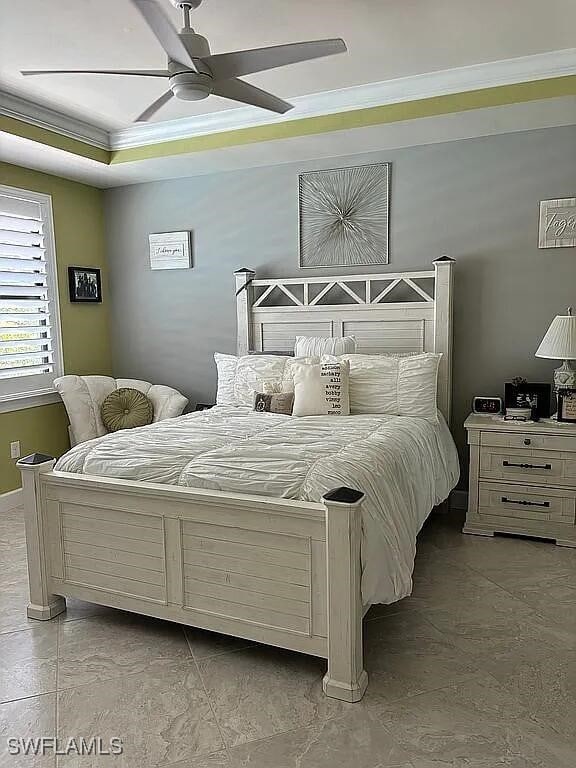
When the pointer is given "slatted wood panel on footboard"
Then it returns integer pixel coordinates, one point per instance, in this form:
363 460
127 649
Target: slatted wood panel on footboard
110 550
204 563
258 576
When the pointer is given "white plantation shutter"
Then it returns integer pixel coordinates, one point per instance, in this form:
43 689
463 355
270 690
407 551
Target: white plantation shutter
30 355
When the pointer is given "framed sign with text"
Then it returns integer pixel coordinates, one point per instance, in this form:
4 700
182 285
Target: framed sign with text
170 250
557 223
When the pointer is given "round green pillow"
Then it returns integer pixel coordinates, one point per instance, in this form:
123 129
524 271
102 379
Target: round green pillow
126 408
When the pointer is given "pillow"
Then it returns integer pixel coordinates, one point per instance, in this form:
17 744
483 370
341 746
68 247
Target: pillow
321 389
240 377
278 402
226 367
394 384
126 408
317 345
252 372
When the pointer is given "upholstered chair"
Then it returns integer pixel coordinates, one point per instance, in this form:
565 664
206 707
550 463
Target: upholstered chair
84 395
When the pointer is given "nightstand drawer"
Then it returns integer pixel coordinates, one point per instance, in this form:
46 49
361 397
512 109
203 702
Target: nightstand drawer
528 440
538 467
526 503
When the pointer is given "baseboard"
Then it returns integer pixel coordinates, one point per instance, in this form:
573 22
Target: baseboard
459 500
10 500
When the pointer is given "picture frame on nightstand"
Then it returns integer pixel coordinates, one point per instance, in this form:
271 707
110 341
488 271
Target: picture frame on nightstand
567 405
526 395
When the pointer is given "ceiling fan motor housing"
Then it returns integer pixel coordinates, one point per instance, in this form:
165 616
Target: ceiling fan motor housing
191 86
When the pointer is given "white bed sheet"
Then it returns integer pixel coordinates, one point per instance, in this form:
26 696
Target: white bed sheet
404 465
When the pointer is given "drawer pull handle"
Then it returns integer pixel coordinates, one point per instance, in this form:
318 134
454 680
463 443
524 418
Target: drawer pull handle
526 466
527 441
524 503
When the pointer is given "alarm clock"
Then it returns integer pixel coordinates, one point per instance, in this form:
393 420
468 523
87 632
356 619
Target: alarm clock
491 405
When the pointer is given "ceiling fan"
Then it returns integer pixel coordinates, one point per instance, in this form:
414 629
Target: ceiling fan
194 73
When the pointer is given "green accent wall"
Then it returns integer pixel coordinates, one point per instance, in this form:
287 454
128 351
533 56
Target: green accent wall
79 234
53 139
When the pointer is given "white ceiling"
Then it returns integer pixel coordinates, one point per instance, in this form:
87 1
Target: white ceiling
386 39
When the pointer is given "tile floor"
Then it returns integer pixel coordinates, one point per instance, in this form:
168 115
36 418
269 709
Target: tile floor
477 669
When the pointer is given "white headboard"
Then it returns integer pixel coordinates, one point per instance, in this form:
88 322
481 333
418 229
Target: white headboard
366 308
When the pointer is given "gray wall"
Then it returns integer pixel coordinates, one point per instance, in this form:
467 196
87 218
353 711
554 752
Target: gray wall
476 200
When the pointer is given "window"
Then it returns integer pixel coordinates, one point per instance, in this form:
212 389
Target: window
30 344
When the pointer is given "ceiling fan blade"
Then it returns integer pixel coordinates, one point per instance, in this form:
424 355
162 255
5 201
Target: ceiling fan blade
154 107
162 28
138 72
238 63
238 90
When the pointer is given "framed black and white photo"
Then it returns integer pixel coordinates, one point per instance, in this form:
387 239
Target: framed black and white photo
85 284
567 405
527 395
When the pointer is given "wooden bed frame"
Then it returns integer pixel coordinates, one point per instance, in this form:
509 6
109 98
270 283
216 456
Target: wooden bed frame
276 571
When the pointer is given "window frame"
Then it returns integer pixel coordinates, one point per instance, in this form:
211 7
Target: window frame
29 396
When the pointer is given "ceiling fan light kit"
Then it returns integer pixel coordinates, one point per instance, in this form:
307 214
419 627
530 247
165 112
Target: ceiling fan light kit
193 73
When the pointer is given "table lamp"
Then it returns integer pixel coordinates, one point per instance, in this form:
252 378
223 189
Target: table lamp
559 343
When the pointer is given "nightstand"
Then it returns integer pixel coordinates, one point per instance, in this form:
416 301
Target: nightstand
522 479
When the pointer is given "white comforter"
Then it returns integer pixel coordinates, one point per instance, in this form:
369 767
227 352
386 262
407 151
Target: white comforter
404 466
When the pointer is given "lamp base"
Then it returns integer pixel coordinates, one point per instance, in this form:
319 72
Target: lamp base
565 376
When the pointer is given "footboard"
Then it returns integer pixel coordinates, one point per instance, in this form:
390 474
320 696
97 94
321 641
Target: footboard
276 571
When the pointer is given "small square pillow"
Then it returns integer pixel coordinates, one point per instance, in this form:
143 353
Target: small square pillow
278 402
321 390
317 345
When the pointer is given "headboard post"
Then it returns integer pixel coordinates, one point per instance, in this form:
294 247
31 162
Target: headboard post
443 306
244 301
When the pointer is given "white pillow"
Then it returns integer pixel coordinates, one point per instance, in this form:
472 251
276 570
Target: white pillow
251 373
240 377
322 389
398 385
306 346
226 367
291 364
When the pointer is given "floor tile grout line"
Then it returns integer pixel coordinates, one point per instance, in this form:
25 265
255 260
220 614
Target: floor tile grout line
208 698
57 694
264 738
530 715
508 592
27 698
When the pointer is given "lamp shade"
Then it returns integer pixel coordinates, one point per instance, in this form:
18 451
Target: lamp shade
559 342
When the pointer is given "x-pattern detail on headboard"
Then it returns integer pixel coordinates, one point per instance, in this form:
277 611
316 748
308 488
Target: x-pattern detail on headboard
388 313
354 287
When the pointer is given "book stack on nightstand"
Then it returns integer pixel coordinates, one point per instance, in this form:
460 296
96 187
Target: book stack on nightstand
522 478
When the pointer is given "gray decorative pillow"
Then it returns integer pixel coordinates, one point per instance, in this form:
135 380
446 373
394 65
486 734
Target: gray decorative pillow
279 402
126 408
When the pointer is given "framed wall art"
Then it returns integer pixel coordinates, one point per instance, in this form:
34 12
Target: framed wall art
85 284
344 216
170 250
557 223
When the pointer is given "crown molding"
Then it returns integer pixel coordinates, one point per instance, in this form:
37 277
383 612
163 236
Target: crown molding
541 66
23 109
